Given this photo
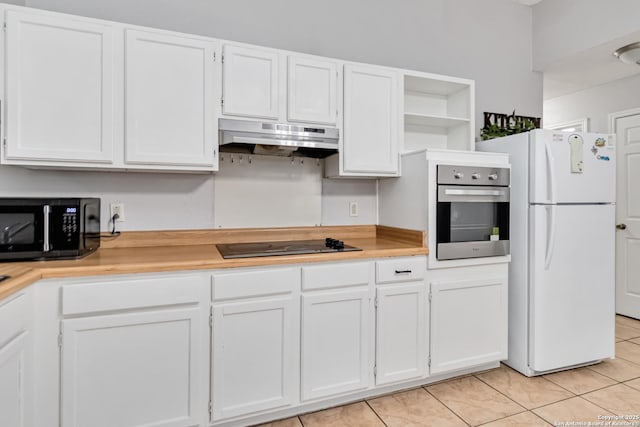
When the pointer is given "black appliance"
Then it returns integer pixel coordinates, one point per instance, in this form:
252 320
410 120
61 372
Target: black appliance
48 228
290 247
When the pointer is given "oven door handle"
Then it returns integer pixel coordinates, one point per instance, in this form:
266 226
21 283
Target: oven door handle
458 192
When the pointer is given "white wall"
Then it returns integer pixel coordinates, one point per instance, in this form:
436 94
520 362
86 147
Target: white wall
488 41
562 28
595 103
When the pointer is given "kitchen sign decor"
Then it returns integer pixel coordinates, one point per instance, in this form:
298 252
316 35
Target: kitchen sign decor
499 124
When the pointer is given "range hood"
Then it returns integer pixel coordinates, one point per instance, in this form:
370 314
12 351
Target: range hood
278 139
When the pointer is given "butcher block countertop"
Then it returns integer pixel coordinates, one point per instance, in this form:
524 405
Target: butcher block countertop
158 251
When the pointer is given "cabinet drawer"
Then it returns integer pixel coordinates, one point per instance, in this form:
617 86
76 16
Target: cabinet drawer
335 275
13 318
155 291
401 269
255 283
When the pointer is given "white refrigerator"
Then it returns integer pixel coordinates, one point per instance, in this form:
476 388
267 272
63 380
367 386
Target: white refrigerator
562 223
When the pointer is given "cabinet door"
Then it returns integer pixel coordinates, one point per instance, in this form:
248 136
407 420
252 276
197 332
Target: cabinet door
132 369
401 342
254 351
60 87
169 99
312 91
370 143
335 338
250 82
12 382
468 323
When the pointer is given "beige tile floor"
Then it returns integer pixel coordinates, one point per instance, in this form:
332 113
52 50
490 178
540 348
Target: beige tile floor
502 397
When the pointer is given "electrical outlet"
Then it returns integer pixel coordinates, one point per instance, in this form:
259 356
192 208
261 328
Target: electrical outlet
353 209
117 208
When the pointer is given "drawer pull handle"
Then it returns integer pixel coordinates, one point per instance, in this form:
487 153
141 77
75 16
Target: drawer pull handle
403 271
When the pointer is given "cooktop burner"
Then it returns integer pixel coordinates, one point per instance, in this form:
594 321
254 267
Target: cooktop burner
291 247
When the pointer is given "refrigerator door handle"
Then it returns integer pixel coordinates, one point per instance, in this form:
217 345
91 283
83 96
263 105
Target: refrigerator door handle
551 227
551 178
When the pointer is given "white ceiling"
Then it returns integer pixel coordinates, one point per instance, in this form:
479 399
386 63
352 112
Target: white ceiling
593 67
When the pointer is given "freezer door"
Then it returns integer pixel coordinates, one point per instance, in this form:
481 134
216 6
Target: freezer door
571 285
571 167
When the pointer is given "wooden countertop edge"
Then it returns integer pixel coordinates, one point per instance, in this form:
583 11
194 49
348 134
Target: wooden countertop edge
23 274
150 267
19 282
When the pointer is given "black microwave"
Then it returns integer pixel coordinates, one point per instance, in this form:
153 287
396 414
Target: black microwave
48 228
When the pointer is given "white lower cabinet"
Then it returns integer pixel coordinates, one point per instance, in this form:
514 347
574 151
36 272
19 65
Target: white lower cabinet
255 341
336 329
12 382
401 339
137 350
136 356
133 369
14 388
468 322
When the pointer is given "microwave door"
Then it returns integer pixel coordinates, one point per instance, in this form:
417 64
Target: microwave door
23 230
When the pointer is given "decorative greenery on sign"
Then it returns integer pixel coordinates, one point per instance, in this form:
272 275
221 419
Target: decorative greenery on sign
497 125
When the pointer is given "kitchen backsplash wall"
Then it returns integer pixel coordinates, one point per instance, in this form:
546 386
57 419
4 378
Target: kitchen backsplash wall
337 194
264 191
240 195
271 191
152 201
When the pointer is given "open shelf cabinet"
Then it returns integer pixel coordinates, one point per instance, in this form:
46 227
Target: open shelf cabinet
438 112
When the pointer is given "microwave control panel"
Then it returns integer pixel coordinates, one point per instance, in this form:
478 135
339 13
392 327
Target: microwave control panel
65 227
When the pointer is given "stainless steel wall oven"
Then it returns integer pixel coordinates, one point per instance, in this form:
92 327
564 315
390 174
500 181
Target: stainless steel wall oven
472 214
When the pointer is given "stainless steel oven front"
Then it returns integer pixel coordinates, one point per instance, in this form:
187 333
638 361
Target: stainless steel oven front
472 215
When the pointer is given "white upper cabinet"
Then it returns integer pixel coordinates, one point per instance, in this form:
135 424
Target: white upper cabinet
270 84
370 140
95 94
312 91
60 88
84 93
169 100
250 82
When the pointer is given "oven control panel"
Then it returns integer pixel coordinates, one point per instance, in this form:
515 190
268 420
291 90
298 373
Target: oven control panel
473 175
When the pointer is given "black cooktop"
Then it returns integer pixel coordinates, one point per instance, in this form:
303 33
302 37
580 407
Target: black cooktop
291 247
